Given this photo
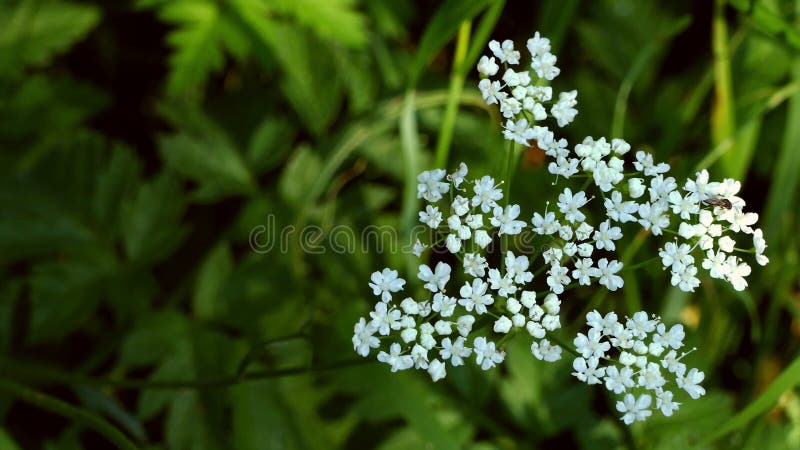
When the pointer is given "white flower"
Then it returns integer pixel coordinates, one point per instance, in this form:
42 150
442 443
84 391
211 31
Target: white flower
418 248
487 66
482 238
583 270
665 404
436 369
738 272
760 245
650 377
690 383
545 225
384 319
636 187
605 236
568 204
431 187
457 177
606 271
684 205
475 264
444 305
486 194
491 91
717 264
453 243
517 79
545 351
431 217
517 267
653 217
640 325
518 132
460 205
504 52
538 45
557 278
435 281
590 345
545 66
676 256
564 111
618 381
363 338
386 282
644 163
395 359
503 285
587 370
464 324
502 325
454 351
634 409
474 296
485 353
505 219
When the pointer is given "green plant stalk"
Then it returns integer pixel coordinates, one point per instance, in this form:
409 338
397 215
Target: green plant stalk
457 79
39 374
64 409
723 115
481 35
507 177
787 380
409 140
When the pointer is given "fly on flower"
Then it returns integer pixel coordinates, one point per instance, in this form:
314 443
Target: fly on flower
718 202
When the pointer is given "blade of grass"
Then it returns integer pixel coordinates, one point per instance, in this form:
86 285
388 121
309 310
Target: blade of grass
723 110
788 379
457 79
409 141
645 56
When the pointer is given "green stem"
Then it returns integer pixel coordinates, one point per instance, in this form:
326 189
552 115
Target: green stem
457 79
64 409
507 176
49 376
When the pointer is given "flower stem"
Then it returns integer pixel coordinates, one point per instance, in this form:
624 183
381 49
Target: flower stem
457 79
64 409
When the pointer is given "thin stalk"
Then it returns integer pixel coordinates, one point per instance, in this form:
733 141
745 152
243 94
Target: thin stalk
457 80
64 409
48 376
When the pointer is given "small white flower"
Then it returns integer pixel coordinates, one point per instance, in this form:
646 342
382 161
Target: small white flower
538 45
569 204
634 409
665 403
386 282
482 238
475 264
435 281
691 383
502 325
563 111
545 351
486 194
474 296
487 66
587 370
431 187
504 52
506 220
431 217
395 359
485 353
606 271
545 66
363 338
605 236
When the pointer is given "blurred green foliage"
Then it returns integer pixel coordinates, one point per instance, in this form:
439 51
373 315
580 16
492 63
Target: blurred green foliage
143 142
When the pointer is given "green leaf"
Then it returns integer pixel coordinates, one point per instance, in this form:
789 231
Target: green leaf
441 29
210 161
151 222
153 338
203 36
787 380
335 20
33 32
115 185
211 277
6 442
269 144
300 174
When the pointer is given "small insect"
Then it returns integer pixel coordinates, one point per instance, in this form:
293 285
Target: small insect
719 202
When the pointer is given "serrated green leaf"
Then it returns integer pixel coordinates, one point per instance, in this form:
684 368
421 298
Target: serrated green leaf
151 221
211 162
335 20
33 32
211 278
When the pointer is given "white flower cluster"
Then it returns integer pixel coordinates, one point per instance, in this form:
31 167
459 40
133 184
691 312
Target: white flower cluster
521 98
638 359
473 316
437 329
